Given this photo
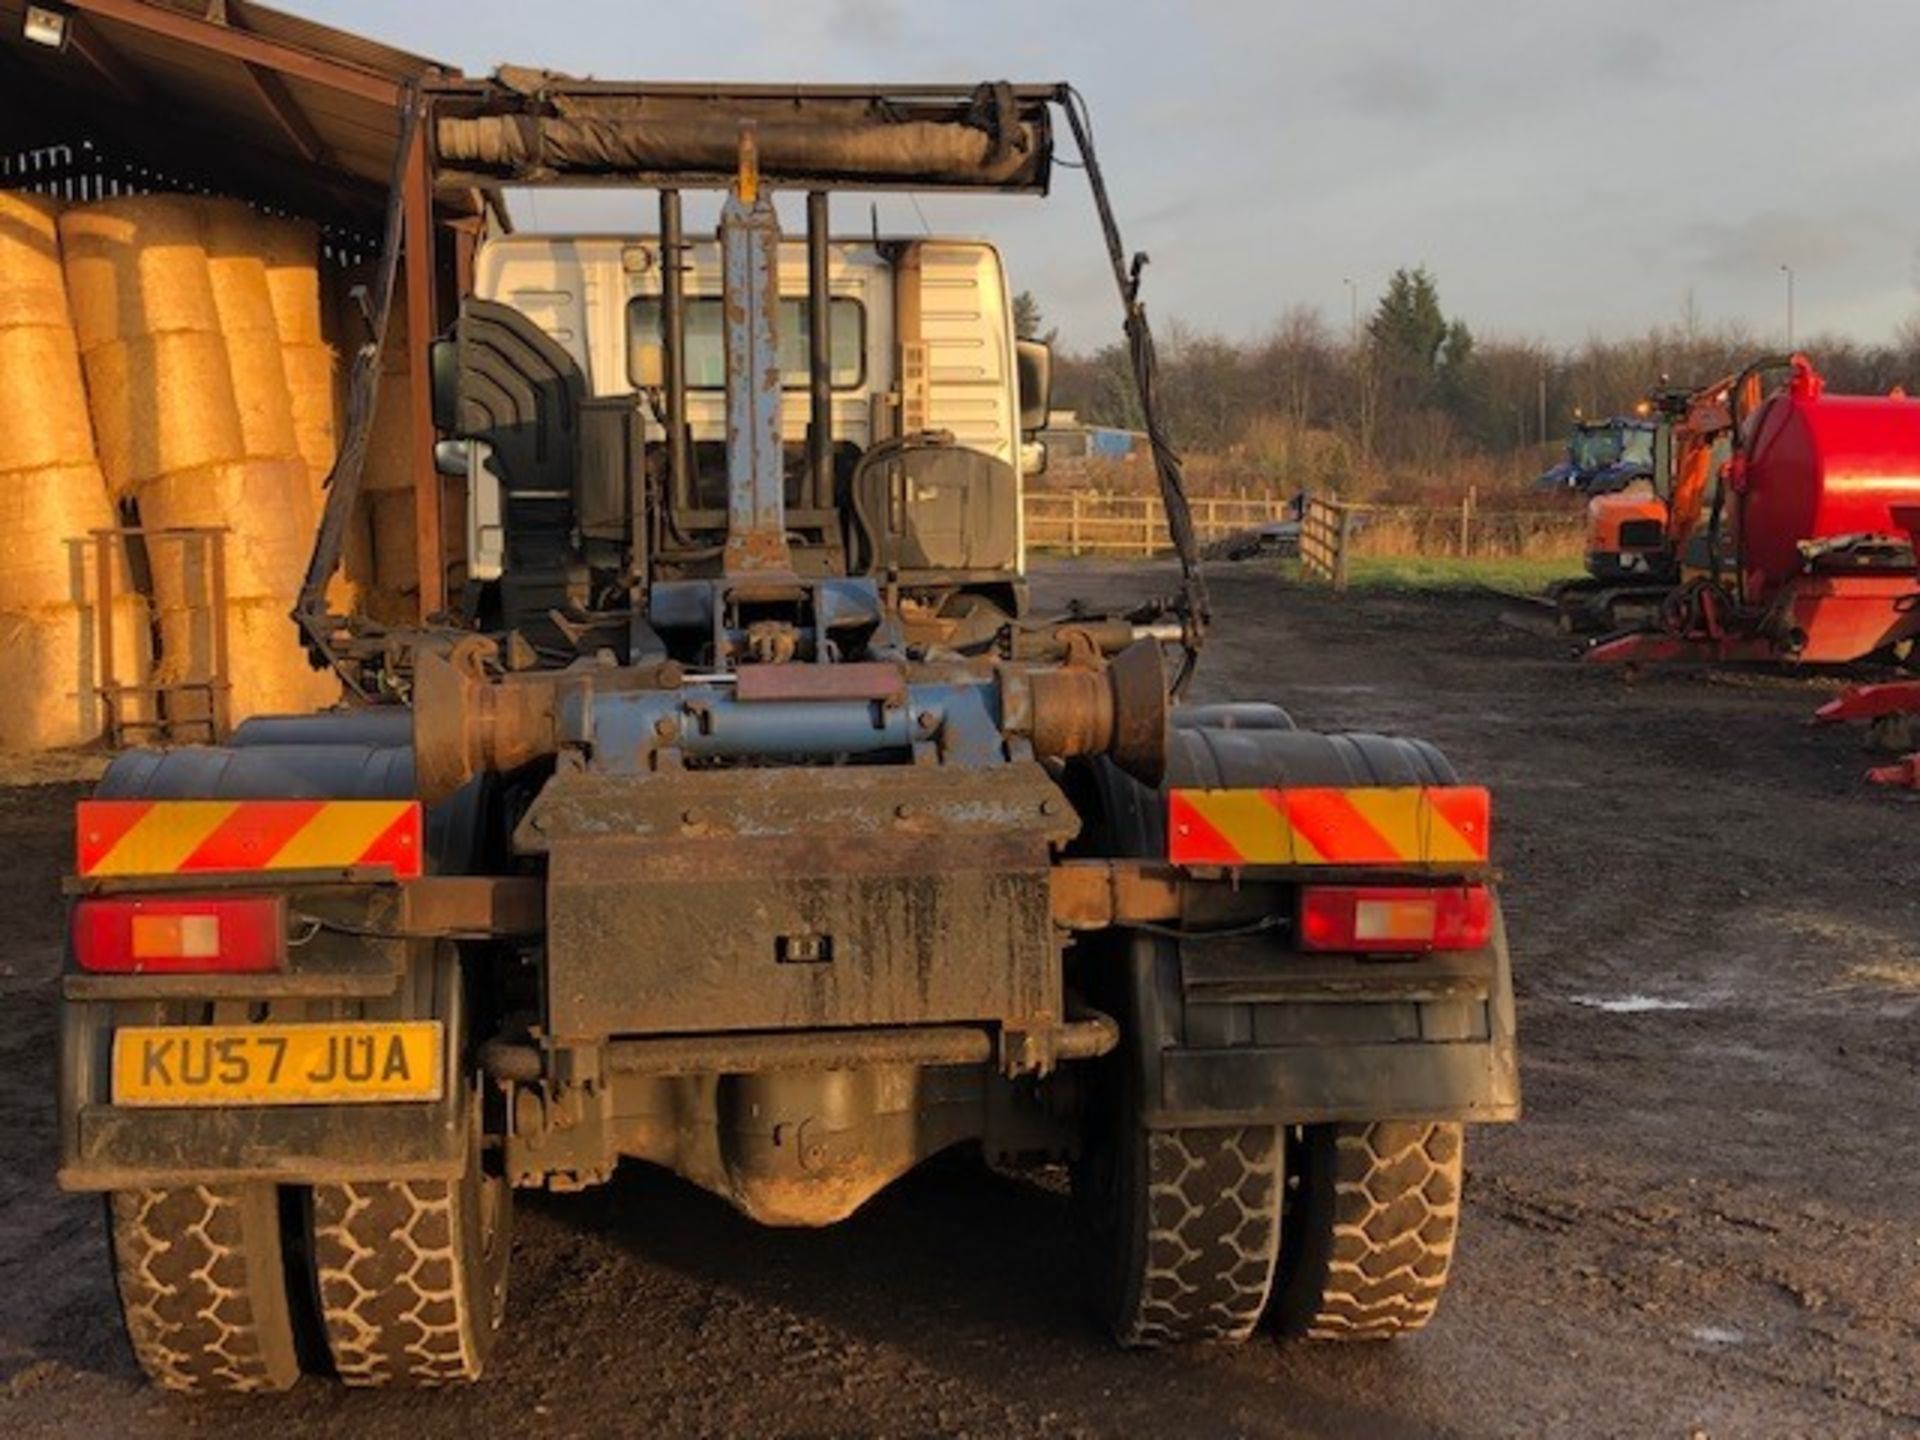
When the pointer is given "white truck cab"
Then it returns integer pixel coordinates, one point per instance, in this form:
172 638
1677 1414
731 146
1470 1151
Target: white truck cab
922 340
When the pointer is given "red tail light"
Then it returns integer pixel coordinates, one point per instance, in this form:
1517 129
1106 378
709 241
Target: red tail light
1398 920
125 936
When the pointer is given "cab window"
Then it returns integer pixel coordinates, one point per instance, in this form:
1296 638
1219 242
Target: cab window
706 345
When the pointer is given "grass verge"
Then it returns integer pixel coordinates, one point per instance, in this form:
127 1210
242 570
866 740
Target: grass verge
1520 574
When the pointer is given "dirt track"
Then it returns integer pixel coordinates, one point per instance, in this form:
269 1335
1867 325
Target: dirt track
1709 1220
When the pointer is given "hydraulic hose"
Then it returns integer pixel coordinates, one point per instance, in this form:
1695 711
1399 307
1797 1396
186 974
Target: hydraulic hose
343 481
1194 606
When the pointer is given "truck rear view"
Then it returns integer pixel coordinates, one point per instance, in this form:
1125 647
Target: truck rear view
749 823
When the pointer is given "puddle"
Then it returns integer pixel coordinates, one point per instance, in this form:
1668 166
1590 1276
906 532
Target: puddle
1630 1004
1717 1335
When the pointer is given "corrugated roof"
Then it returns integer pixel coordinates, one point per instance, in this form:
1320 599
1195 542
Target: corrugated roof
207 82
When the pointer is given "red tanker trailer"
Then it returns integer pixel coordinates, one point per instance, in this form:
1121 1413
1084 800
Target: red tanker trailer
1811 535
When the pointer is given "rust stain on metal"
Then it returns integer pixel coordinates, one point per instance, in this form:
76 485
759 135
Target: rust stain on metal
1072 712
473 905
1096 894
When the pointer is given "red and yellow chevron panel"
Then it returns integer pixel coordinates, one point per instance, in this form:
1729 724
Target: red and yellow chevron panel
207 837
1413 825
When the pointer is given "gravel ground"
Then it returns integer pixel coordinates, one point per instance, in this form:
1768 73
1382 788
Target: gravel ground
1707 1224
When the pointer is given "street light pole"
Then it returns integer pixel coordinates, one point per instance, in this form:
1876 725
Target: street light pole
1787 270
1353 311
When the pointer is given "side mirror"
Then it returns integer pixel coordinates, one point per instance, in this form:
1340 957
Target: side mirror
453 458
1033 458
1034 361
443 366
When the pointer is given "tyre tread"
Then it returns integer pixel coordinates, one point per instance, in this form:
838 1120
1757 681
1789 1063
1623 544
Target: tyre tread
397 1303
1212 1233
202 1286
1395 1218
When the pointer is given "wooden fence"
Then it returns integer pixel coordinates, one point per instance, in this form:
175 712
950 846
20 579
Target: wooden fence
1326 532
1089 522
1468 531
1332 532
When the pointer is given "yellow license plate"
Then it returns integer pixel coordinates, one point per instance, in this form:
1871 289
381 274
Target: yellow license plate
349 1062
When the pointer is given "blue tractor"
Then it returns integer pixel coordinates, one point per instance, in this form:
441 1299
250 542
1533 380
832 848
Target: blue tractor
1604 456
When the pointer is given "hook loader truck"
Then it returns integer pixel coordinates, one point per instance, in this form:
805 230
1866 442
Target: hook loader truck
746 819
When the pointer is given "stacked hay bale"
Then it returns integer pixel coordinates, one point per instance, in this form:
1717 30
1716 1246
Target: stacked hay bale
388 480
390 493
52 497
285 255
288 249
260 268
193 419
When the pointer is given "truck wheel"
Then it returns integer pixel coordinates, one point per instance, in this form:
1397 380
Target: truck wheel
412 1274
1178 1227
1369 1231
1182 1232
203 1287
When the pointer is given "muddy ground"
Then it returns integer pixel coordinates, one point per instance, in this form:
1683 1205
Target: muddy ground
1708 1223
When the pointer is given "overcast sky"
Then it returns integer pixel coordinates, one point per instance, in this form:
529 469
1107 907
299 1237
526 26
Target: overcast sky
1564 167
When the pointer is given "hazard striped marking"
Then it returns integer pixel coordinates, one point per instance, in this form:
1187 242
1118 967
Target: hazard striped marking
1362 825
202 837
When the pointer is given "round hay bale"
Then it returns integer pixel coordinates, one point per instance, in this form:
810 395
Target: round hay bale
310 388
237 238
47 517
50 668
162 404
268 510
267 669
288 255
291 249
48 423
33 288
137 267
277 678
237 267
181 569
260 392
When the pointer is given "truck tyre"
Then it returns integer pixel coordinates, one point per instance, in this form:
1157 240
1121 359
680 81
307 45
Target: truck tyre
1178 1227
203 1288
1370 1226
1184 1235
412 1274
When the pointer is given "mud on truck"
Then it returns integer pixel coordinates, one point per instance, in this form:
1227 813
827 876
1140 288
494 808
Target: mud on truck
748 821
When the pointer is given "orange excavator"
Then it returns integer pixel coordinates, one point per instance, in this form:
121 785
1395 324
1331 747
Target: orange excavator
1641 538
